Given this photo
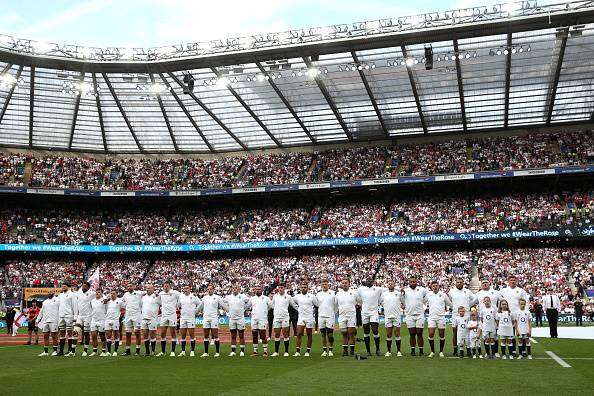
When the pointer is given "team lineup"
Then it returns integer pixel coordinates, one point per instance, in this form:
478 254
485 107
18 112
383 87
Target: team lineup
499 320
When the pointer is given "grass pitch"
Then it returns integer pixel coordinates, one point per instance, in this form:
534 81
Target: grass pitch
22 372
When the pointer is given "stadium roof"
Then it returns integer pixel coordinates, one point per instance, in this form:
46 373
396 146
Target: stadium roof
495 68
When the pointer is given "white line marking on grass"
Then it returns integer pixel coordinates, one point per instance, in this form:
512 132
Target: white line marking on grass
532 340
556 358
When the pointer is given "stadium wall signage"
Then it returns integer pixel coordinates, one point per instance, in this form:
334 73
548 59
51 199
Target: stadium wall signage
587 232
308 186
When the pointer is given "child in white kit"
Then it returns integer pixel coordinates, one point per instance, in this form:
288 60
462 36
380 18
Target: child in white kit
474 335
460 321
524 330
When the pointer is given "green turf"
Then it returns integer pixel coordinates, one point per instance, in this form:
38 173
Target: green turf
25 373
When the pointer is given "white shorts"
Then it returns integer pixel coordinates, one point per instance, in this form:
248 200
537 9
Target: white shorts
259 324
49 328
237 324
463 341
132 323
187 323
210 323
84 322
149 324
280 323
415 321
325 323
168 321
347 321
436 322
489 334
392 322
65 322
98 326
505 332
307 322
369 317
112 324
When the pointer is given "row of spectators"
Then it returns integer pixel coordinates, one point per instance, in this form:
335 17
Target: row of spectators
335 219
456 156
538 269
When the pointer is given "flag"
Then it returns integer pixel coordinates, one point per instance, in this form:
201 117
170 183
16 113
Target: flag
20 319
94 279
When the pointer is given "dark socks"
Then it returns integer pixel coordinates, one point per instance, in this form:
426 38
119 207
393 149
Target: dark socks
432 345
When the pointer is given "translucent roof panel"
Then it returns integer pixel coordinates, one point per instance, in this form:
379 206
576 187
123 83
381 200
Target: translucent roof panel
534 58
437 88
218 99
143 111
265 102
347 90
14 129
87 133
54 107
186 135
306 98
118 135
391 88
575 91
483 80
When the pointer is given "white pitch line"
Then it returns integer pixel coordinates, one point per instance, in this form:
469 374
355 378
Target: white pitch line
532 340
556 358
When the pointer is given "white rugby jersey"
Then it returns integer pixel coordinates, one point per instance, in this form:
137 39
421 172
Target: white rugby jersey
114 308
259 305
68 305
150 306
235 305
305 304
473 329
494 295
461 324
189 305
487 317
326 304
437 302
392 303
50 311
99 309
413 300
211 305
280 305
168 301
523 318
513 296
369 297
346 301
505 319
461 298
132 302
83 301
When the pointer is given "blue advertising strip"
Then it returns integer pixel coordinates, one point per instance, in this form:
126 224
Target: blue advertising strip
216 191
282 187
303 243
321 185
148 193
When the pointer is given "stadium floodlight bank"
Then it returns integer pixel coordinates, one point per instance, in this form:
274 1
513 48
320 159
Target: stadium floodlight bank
505 67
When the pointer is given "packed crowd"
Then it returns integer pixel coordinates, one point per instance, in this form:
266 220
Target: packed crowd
38 273
12 169
116 274
539 270
419 215
455 156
